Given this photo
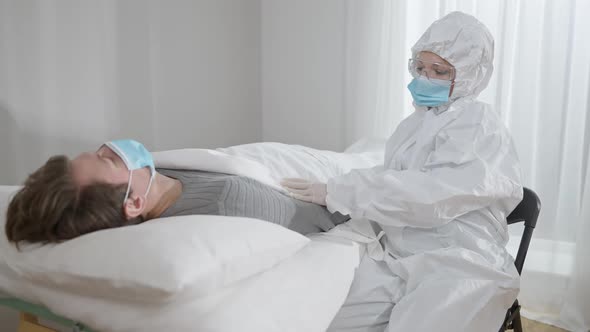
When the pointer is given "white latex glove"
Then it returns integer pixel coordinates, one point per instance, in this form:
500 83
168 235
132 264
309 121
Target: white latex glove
306 190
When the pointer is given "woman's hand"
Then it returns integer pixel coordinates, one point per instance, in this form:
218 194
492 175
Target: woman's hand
306 190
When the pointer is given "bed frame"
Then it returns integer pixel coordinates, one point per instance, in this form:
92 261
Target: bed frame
30 314
30 323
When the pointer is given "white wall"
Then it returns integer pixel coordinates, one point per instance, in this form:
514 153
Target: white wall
218 73
169 73
303 59
209 88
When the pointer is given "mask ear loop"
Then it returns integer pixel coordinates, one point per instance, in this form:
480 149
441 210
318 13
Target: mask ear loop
128 187
153 173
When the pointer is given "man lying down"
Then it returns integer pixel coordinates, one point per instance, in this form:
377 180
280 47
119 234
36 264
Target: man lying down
118 185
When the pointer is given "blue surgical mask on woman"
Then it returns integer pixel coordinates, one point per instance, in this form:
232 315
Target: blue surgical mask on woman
135 156
429 92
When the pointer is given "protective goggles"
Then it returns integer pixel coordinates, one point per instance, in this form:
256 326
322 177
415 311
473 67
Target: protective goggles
431 70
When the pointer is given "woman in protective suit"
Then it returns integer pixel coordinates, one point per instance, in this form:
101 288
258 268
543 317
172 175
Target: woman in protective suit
433 217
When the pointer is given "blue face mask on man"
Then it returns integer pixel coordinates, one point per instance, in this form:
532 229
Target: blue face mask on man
135 156
429 92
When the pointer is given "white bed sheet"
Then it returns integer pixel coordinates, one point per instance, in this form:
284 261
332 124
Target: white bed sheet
303 293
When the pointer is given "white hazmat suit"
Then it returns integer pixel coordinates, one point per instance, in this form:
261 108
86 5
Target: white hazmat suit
433 217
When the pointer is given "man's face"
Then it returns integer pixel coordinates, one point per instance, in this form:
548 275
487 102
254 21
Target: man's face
105 166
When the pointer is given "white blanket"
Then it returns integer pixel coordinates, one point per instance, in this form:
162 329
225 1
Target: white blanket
270 162
214 161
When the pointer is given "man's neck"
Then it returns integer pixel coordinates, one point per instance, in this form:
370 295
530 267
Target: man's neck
166 191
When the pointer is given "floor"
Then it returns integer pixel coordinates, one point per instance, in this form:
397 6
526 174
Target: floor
533 326
527 326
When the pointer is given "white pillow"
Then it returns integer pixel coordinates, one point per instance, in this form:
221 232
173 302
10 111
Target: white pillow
157 260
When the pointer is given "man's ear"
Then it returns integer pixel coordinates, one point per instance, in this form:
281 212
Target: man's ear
134 206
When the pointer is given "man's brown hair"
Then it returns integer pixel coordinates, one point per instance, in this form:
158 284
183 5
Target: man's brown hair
51 207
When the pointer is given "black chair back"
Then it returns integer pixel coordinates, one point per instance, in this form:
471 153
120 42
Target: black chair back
528 211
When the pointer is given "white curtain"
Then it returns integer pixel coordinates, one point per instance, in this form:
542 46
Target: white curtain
541 86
